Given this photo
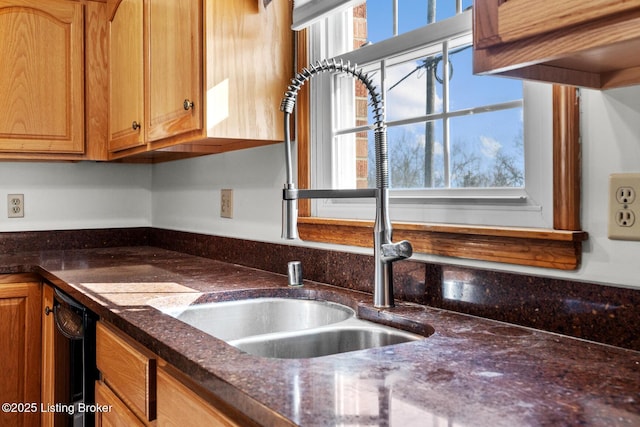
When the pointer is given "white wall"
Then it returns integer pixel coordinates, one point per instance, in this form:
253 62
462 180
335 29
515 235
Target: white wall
59 196
610 144
185 195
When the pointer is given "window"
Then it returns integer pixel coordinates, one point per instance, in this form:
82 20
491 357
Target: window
457 154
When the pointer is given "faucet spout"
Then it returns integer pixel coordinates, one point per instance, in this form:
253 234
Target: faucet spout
385 252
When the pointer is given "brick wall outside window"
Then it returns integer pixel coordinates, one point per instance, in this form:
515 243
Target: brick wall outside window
359 38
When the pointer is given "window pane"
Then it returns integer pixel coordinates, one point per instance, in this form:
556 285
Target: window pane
468 90
412 14
487 150
379 20
413 90
415 160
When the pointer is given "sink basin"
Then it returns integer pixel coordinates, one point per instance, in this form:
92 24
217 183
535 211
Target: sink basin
324 342
232 320
288 328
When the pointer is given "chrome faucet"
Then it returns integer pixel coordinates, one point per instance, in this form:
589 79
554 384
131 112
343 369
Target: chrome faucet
384 251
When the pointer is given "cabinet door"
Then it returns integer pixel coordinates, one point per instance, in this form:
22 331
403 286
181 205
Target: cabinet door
174 69
20 332
42 82
126 87
500 21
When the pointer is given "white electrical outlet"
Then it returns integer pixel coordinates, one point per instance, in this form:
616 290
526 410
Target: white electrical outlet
226 203
15 205
624 206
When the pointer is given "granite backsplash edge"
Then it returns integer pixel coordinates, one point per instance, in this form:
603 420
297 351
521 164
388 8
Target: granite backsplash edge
600 313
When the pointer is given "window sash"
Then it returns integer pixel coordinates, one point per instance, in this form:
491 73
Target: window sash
452 29
306 12
405 204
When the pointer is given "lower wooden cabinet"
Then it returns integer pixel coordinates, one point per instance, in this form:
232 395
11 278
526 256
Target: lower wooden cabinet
118 414
20 351
129 372
143 390
179 405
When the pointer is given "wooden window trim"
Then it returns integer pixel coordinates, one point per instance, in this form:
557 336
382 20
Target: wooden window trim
558 248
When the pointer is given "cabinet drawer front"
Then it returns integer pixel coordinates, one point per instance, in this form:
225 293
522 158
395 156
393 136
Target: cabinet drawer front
128 369
179 406
118 413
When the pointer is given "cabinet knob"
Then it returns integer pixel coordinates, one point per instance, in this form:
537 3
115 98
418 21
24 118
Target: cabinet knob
187 104
47 310
135 125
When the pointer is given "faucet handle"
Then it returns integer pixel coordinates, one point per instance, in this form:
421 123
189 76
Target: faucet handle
397 251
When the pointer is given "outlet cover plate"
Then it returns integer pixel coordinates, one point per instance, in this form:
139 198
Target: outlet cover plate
226 203
624 206
15 205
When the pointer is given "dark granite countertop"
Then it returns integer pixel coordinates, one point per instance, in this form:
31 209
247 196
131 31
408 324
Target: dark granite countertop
470 372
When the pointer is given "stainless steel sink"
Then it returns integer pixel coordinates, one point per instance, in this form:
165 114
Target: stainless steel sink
288 328
324 342
232 320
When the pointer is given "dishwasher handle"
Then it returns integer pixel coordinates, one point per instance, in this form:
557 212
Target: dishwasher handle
68 315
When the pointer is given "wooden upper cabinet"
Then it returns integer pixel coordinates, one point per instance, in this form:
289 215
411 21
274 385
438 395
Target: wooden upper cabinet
249 53
126 84
41 76
590 43
214 74
174 91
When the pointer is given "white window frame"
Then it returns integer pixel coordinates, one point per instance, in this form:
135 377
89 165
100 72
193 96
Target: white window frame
528 207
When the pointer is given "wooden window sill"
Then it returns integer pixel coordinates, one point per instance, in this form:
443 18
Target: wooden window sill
559 249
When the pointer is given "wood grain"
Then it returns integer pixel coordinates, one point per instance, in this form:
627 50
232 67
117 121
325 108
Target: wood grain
119 415
173 70
303 126
126 82
20 332
534 247
42 70
129 369
567 159
518 19
179 405
97 80
232 59
582 43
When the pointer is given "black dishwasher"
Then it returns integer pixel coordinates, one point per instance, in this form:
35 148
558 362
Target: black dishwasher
75 362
